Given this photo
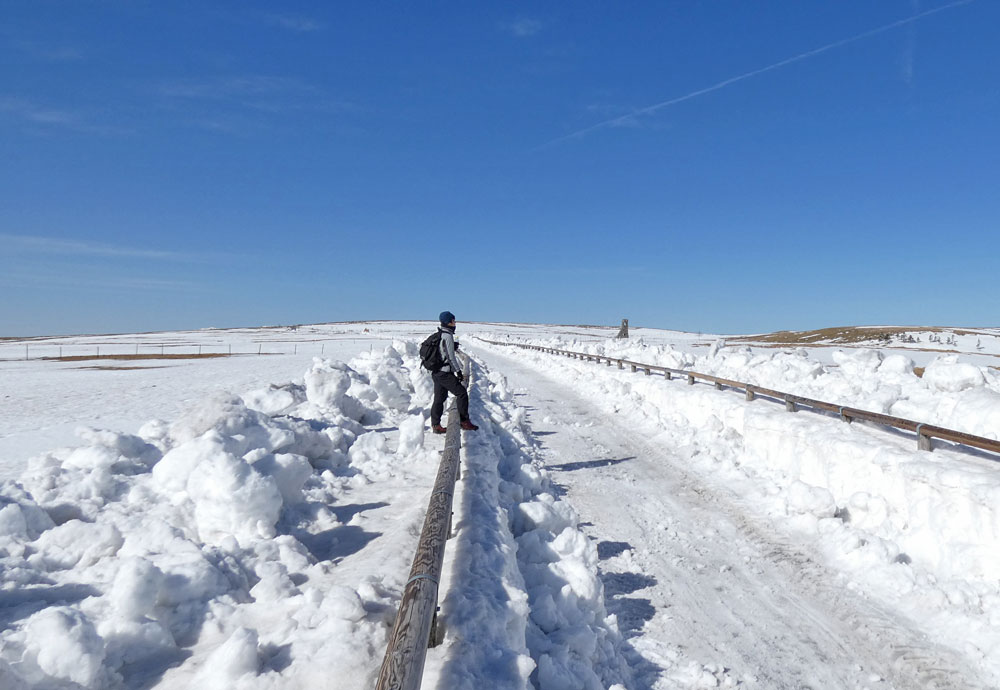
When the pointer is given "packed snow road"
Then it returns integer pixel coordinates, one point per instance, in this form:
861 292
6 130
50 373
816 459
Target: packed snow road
707 590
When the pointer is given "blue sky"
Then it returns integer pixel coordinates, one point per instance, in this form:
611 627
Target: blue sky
725 166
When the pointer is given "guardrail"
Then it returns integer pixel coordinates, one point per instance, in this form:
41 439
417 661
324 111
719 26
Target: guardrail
924 432
416 619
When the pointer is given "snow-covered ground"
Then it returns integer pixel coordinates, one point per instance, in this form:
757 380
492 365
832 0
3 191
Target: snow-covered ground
248 521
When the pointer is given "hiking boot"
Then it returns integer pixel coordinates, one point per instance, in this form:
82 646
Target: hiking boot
438 429
469 426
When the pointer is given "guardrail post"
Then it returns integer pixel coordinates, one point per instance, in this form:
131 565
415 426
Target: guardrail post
789 405
647 371
750 394
634 368
620 365
845 417
690 379
718 386
923 440
609 361
667 375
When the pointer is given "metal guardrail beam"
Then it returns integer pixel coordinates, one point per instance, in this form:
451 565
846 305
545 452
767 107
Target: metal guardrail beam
403 664
924 432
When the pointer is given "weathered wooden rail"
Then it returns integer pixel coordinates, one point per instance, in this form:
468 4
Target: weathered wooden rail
924 432
413 631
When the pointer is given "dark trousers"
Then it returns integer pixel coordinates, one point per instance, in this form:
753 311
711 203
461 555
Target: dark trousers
444 383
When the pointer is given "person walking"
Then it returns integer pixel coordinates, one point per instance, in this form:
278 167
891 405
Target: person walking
448 379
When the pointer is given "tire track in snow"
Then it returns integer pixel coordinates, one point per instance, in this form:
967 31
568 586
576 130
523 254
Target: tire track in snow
730 601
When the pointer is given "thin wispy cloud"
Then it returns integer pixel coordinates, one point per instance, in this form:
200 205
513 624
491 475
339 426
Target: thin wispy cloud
63 279
244 103
523 27
31 113
33 244
577 271
910 50
50 53
649 110
256 91
297 23
236 87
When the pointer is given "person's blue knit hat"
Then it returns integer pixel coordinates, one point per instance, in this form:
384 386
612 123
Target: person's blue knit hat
446 318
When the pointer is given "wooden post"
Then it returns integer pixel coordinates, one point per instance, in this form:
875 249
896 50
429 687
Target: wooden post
633 368
647 371
667 375
690 379
718 386
750 394
609 361
620 365
259 345
25 351
789 405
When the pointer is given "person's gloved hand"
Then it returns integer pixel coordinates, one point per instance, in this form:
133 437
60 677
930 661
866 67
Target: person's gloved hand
460 376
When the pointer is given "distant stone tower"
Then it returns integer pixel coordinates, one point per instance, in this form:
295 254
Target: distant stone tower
623 331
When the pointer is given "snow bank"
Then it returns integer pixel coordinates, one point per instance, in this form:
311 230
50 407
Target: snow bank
524 605
919 529
950 393
203 550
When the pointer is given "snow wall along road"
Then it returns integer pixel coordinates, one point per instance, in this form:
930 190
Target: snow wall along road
919 530
263 540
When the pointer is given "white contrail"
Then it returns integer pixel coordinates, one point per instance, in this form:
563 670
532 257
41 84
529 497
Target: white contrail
722 84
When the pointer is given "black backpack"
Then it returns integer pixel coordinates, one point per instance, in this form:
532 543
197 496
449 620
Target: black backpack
430 352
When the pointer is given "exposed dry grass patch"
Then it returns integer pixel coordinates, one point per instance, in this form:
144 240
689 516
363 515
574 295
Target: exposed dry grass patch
88 358
847 335
836 334
111 368
919 371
